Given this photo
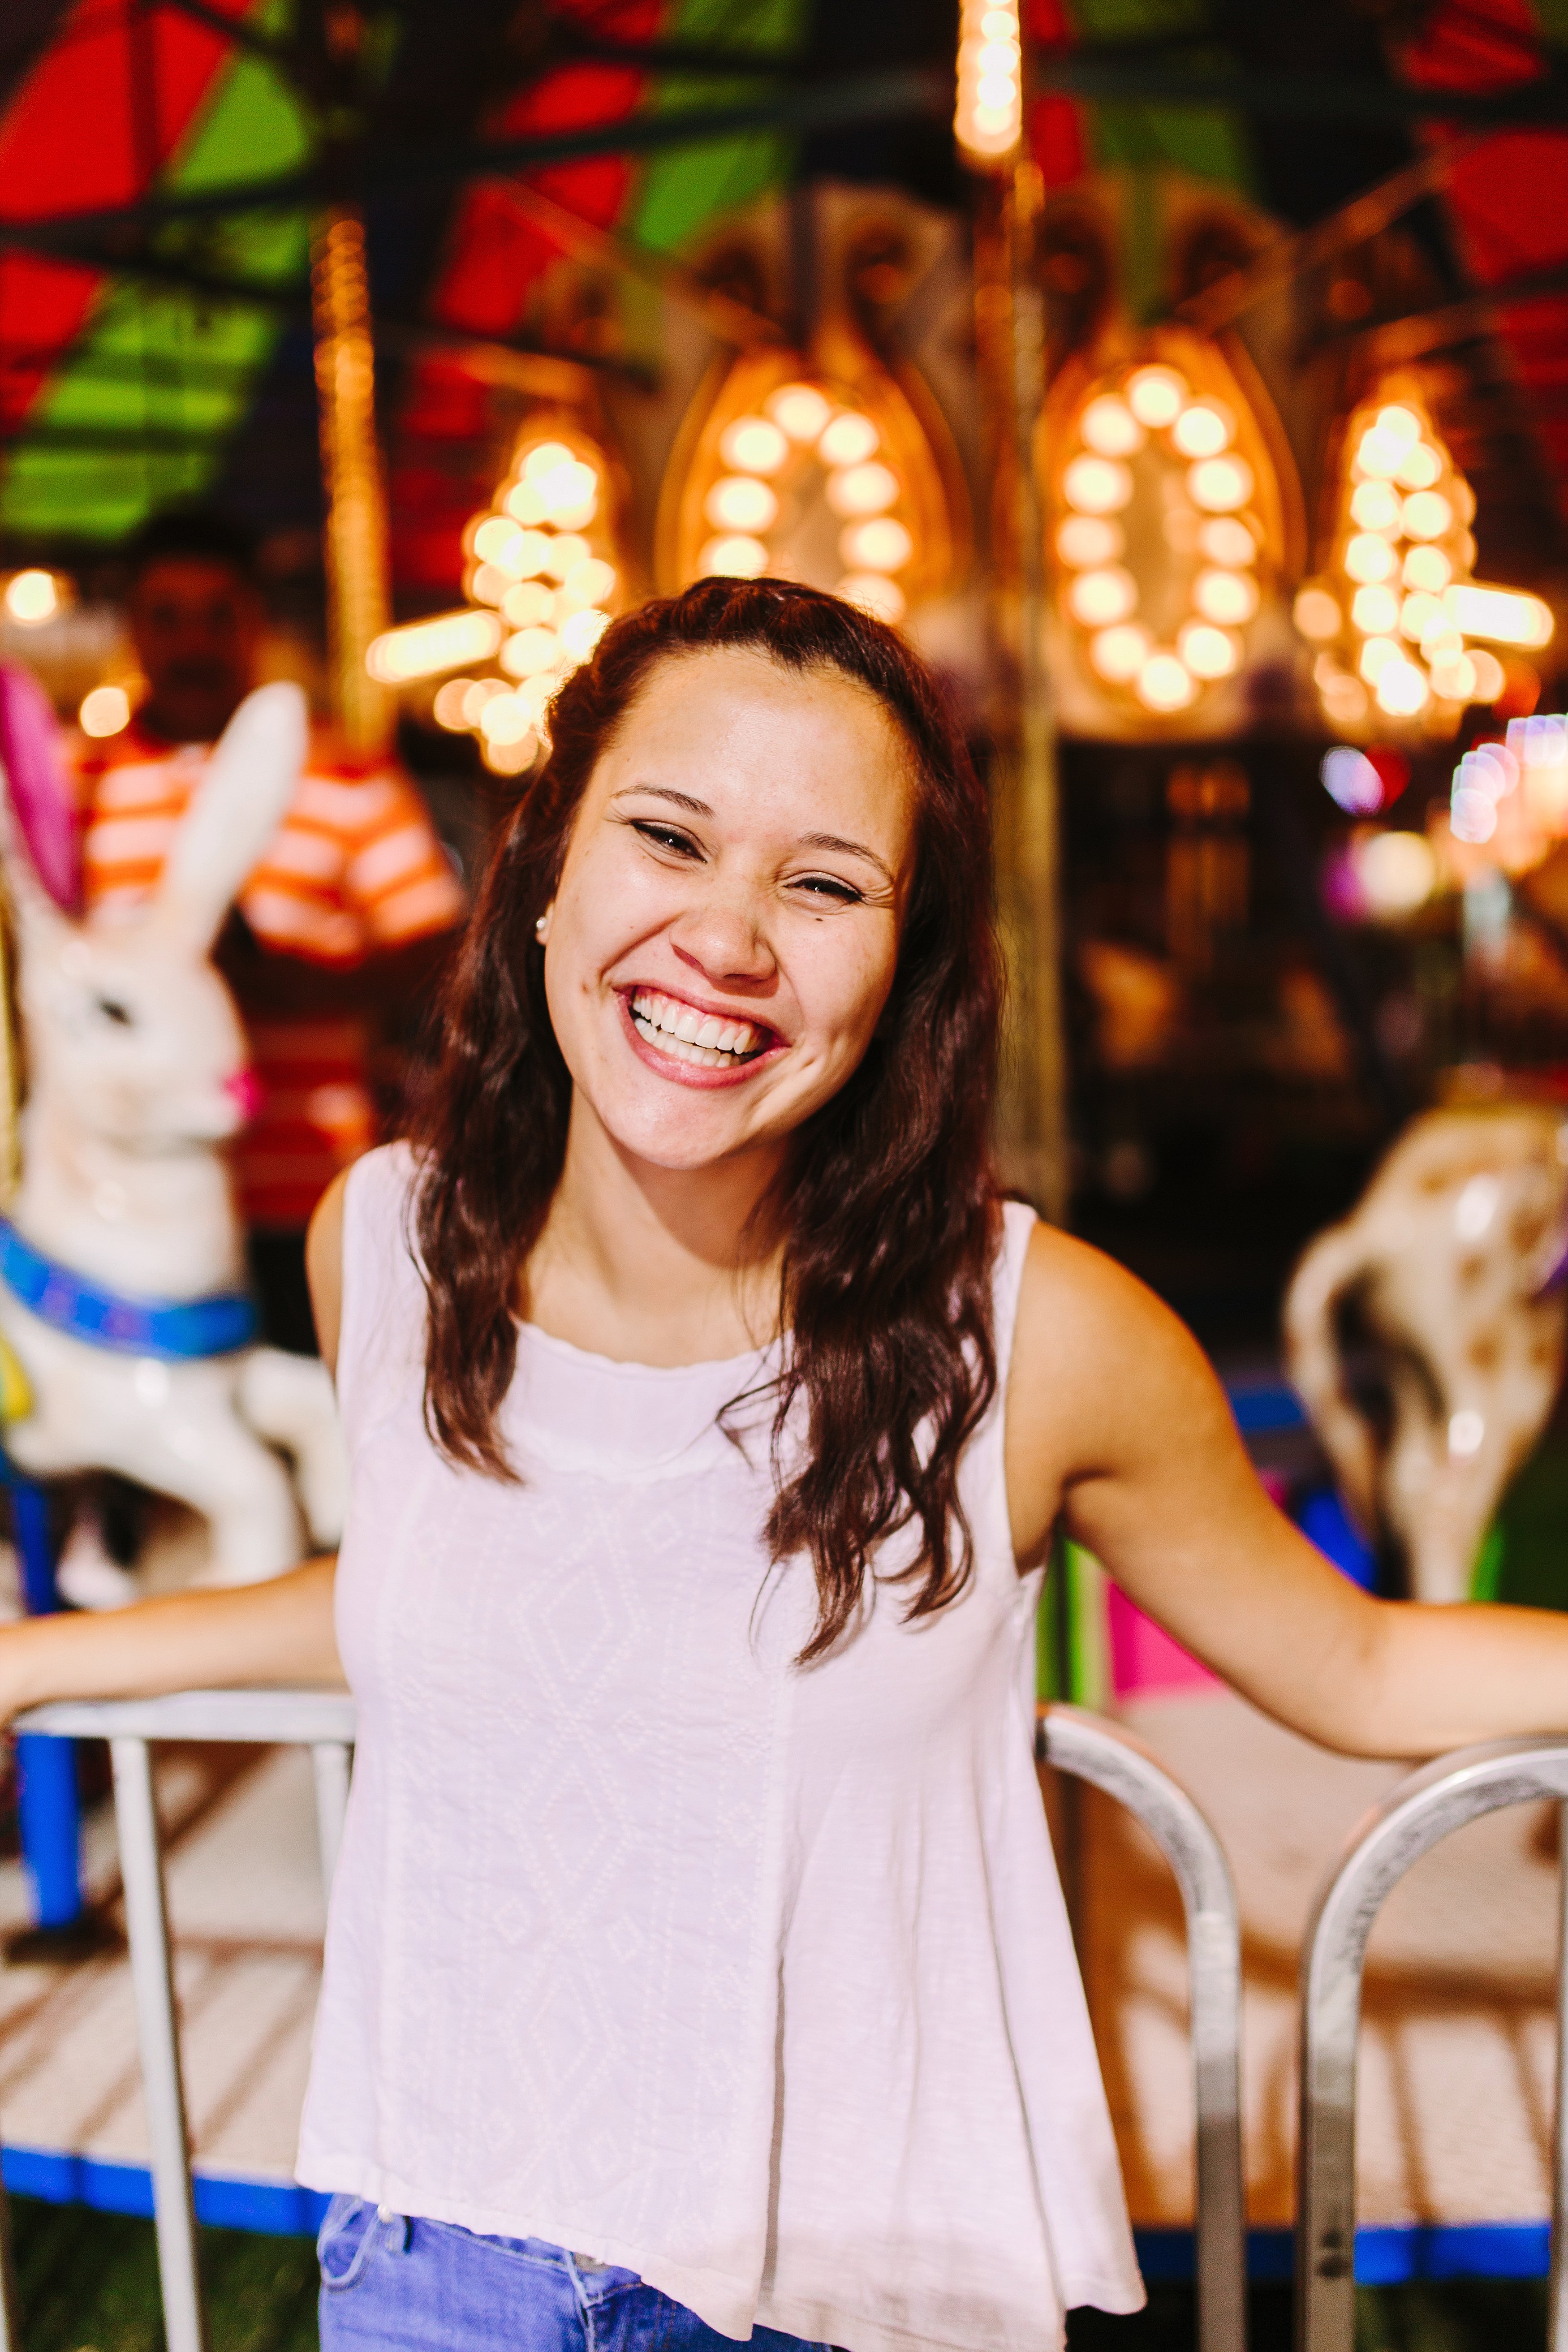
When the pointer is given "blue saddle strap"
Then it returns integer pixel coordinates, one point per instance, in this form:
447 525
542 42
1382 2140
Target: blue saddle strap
177 1328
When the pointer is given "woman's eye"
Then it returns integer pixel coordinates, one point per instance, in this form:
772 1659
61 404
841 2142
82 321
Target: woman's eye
667 836
827 886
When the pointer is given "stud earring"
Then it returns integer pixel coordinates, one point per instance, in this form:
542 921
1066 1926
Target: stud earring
542 928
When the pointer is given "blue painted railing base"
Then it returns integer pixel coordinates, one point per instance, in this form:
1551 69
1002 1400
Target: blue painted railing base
274 2208
1386 2256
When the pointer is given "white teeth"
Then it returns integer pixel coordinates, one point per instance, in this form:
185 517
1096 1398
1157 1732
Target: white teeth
688 1025
687 1035
727 1038
710 1032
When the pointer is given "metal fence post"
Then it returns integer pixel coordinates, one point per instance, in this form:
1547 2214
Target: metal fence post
1118 1762
1442 1797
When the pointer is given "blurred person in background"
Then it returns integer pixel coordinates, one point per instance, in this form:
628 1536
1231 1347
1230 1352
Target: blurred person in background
336 936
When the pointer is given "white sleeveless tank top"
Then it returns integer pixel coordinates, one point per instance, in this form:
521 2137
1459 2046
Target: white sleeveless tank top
753 1979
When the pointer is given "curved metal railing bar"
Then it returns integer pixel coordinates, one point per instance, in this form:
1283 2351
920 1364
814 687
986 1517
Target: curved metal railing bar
1424 1808
1120 1764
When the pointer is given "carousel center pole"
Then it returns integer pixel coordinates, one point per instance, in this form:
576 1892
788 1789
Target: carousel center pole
357 567
1010 343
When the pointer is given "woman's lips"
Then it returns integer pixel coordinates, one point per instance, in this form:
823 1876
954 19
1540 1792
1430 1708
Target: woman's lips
696 1059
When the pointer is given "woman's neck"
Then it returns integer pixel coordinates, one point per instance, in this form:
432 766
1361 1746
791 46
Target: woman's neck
655 1265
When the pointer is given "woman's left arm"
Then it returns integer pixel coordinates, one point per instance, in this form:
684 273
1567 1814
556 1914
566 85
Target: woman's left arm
1117 1425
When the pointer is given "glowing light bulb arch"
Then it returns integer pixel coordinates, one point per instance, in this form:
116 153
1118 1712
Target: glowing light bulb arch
1164 526
1396 620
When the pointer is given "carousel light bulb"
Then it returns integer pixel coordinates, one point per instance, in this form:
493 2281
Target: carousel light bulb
104 711
543 458
1374 505
1426 514
1401 688
876 595
424 649
1378 455
1399 424
1166 683
1369 558
1419 615
31 596
862 489
1229 598
1203 430
753 445
570 492
506 718
1118 655
524 504
1375 611
1225 541
1156 395
1427 568
1219 485
1490 676
1108 428
879 545
530 651
1506 616
736 556
1083 540
847 440
1208 652
510 758
480 695
1096 486
798 409
494 538
1317 614
1376 655
1419 468
581 632
488 584
1099 599
562 552
447 708
988 117
1454 678
592 582
739 502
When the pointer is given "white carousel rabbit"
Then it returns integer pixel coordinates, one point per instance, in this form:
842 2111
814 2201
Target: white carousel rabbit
124 1222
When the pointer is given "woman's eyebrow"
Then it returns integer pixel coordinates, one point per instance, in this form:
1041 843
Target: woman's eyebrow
663 792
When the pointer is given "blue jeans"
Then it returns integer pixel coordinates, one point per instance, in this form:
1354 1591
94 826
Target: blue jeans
389 2281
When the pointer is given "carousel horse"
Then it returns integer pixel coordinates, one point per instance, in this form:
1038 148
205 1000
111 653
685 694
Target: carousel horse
129 1339
1447 1280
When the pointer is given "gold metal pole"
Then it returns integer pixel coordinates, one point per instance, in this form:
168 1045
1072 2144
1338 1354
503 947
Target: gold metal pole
359 603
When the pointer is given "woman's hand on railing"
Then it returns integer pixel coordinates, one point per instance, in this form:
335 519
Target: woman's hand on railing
278 1632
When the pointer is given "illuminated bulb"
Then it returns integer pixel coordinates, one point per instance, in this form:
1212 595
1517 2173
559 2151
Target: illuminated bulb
523 503
1166 683
562 553
489 583
1316 615
1472 815
862 489
1490 678
1375 610
1096 486
1419 468
1203 430
1453 677
570 492
1156 395
507 719
874 594
495 538
1220 483
425 647
1399 425
1504 615
530 651
447 710
1402 689
739 502
848 440
1419 615
536 693
1427 568
1368 558
478 697
1208 653
1378 456
1397 873
880 545
1089 539
753 446
510 758
1426 514
1118 655
31 597
581 632
1374 505
1227 597
1376 657
799 410
736 557
1108 428
1344 699
1225 541
590 582
545 458
529 603
1351 780
1463 498
104 711
1100 598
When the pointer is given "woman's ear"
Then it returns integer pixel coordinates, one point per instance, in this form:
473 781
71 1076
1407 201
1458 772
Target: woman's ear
542 928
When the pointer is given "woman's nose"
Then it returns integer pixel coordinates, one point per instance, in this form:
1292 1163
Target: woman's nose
725 939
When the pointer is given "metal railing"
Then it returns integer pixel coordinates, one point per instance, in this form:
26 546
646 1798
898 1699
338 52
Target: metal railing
1118 1762
1066 1739
322 1721
1411 1819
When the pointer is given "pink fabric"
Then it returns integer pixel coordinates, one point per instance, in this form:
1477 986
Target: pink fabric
36 777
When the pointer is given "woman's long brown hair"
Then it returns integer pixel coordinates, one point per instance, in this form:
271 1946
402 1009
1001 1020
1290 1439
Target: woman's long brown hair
889 1202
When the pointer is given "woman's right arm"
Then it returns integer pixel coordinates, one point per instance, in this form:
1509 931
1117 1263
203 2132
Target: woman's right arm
278 1632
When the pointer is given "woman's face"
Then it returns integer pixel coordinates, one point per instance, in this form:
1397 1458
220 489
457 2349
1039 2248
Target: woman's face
726 927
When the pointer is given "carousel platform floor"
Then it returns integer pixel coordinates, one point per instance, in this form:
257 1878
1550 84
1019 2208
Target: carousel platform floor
1458 2055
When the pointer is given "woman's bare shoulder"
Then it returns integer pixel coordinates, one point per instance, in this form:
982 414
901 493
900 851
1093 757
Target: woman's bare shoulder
324 1267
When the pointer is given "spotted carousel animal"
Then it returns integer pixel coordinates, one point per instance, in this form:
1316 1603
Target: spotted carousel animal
129 1342
1451 1272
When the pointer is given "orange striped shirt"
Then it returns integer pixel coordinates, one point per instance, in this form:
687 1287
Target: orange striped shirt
355 866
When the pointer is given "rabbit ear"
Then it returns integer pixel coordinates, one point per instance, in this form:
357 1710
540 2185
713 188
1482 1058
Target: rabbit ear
239 805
